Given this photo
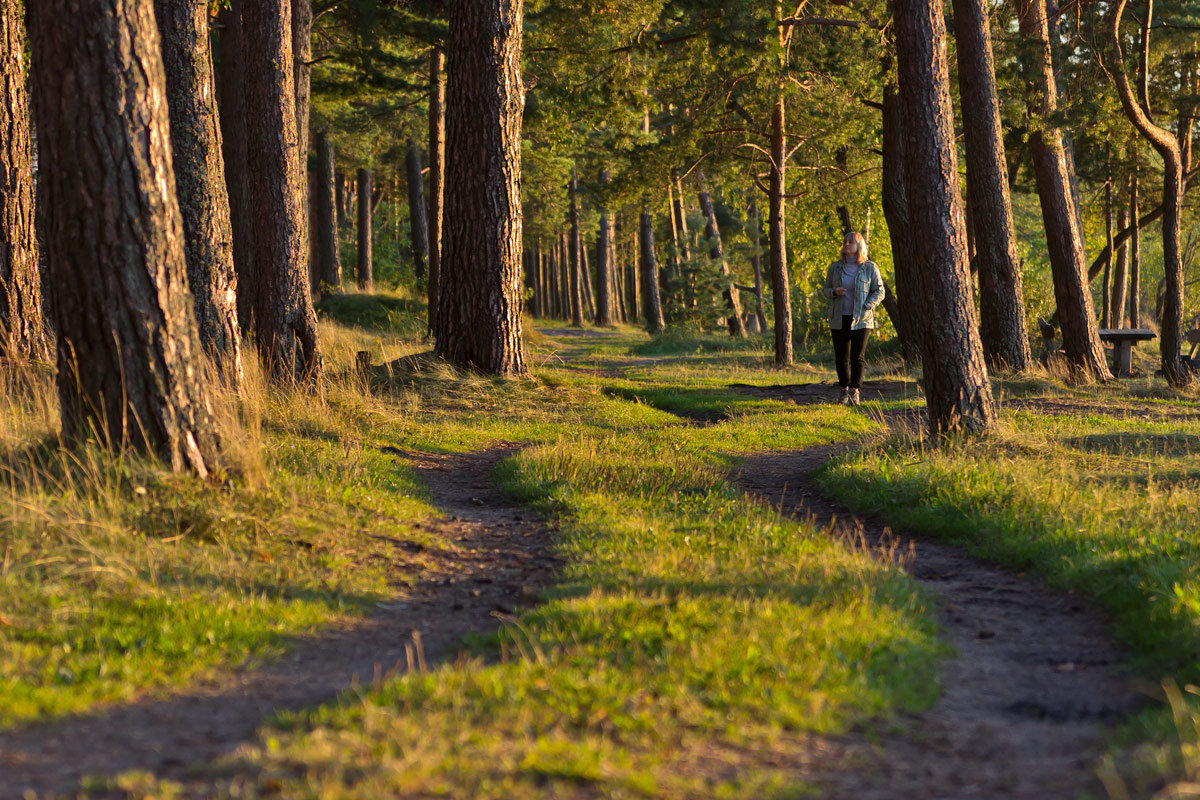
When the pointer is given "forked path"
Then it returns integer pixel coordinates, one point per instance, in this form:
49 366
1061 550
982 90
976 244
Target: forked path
501 558
1023 702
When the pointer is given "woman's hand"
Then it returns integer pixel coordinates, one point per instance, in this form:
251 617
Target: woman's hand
838 292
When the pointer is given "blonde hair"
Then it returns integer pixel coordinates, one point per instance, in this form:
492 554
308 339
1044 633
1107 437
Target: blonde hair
861 255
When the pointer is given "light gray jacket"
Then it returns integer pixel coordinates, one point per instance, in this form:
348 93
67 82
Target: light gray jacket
868 293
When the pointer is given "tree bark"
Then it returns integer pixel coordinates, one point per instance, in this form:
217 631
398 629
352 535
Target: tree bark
479 317
604 262
954 373
302 19
341 203
652 302
716 252
329 260
437 167
781 293
286 324
200 180
365 266
575 251
130 371
1106 286
232 119
1003 328
419 222
588 293
1081 342
895 211
1167 145
680 215
23 333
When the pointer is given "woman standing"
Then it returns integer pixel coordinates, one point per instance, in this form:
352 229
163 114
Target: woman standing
855 288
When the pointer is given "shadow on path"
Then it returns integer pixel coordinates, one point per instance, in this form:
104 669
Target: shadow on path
503 560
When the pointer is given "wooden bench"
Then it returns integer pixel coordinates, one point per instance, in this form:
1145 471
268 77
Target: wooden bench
1123 340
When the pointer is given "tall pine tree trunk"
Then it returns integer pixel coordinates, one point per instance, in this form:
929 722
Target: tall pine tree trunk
23 333
285 322
1168 147
1064 240
604 262
588 293
130 370
233 123
479 316
756 262
651 300
780 291
200 180
329 260
1106 312
302 19
575 251
418 220
1135 256
716 252
1120 277
365 266
437 170
1002 305
954 375
895 210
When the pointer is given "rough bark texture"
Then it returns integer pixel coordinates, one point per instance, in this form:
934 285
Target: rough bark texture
1106 287
232 104
286 325
1001 302
23 333
780 292
200 180
1120 277
954 373
895 211
652 301
1081 342
365 266
437 169
479 317
604 262
418 220
329 261
130 370
716 252
302 19
575 252
1170 335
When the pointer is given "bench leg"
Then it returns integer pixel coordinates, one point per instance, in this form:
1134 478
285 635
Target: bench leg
1123 359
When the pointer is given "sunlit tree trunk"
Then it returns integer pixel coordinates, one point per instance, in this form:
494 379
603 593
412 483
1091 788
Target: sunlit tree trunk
954 375
365 269
130 370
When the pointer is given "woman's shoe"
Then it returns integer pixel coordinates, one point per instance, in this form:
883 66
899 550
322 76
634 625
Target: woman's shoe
852 397
844 398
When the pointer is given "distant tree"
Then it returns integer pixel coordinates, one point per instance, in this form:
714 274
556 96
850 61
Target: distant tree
900 232
1064 238
716 252
329 263
777 237
651 298
418 221
1002 304
232 118
23 332
954 375
200 179
604 262
130 371
365 271
479 317
285 322
575 251
1171 147
437 171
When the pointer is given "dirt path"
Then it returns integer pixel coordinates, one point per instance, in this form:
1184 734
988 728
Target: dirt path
1022 706
502 560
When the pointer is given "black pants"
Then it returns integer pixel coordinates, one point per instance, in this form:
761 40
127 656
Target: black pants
849 349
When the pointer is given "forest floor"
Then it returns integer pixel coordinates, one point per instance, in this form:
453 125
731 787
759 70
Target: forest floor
654 568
